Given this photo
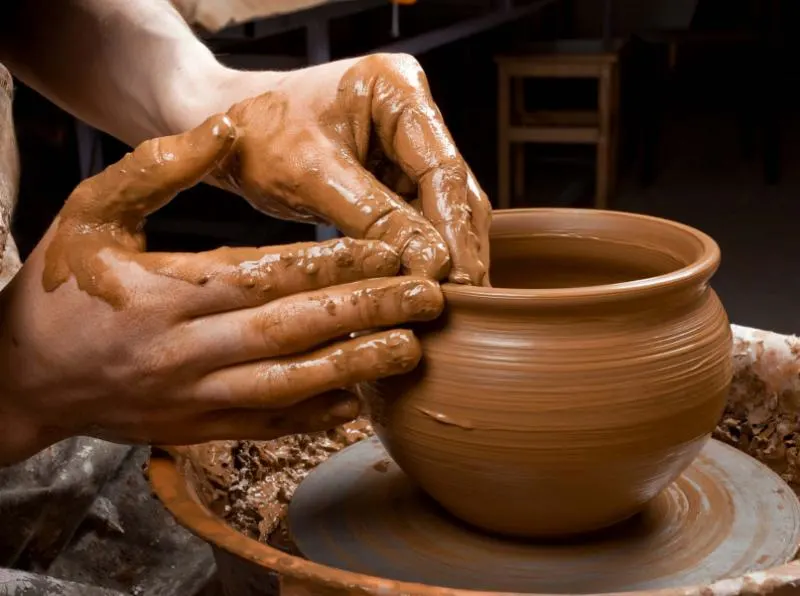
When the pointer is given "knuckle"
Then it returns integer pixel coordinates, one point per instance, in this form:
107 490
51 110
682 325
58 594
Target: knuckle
154 367
402 71
345 251
372 258
268 327
147 155
267 378
401 62
81 200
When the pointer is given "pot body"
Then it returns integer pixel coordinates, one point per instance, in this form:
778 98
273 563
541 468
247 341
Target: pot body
550 418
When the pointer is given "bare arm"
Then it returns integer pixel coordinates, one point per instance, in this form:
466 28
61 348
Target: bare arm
132 68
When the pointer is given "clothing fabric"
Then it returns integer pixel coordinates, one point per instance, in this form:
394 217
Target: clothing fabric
78 518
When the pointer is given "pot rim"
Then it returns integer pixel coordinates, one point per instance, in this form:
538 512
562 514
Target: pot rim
699 271
172 488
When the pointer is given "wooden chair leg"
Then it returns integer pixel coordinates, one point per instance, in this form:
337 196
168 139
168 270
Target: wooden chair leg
503 143
518 149
614 132
604 143
602 181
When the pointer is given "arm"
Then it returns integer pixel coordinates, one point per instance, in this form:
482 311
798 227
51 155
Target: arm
134 69
131 68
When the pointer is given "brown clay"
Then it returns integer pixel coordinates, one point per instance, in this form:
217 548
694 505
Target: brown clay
765 394
349 143
251 568
570 394
726 515
246 343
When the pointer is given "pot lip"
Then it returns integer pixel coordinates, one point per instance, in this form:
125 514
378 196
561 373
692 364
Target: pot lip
172 488
698 271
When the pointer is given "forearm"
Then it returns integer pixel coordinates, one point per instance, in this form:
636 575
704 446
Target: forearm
131 68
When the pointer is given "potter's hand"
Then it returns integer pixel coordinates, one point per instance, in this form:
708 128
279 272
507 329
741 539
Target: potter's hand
342 142
98 337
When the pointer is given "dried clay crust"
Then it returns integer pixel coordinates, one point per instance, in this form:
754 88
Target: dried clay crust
250 484
763 411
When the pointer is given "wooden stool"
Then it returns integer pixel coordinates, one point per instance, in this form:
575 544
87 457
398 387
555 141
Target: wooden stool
569 59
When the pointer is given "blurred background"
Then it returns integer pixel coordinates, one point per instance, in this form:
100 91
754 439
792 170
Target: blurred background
685 109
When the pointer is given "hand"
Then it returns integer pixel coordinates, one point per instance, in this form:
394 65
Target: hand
343 142
98 337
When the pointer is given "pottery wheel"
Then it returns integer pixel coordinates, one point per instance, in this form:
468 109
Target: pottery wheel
727 515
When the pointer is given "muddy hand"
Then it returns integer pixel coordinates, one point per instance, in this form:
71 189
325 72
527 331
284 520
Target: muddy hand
347 143
99 337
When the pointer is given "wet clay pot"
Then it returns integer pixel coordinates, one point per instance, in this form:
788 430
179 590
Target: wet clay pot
568 395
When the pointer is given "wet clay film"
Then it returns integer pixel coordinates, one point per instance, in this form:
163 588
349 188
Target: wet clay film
349 143
249 343
567 411
106 213
237 478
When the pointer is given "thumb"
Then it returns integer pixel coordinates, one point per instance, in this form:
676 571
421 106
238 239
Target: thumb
149 177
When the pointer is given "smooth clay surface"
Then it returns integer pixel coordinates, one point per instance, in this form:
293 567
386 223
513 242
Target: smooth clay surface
572 392
725 516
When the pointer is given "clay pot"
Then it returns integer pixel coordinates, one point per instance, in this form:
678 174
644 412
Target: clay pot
568 395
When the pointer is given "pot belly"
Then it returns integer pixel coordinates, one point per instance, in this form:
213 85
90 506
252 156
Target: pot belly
551 426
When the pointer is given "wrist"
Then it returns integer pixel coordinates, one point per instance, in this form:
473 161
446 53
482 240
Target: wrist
211 90
20 439
24 430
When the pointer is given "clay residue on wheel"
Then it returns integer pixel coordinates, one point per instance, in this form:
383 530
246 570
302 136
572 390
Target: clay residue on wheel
250 483
762 416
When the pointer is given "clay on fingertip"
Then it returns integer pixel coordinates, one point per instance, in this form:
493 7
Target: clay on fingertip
103 217
431 260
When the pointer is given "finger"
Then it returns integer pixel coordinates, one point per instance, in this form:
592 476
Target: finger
414 135
445 203
298 323
481 222
316 414
234 278
284 382
362 207
319 413
149 177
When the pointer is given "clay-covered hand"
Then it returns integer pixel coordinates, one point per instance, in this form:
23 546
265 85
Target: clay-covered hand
99 337
347 143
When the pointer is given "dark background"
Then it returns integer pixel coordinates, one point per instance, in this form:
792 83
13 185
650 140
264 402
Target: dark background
715 144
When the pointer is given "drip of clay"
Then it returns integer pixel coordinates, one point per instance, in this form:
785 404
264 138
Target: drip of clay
569 395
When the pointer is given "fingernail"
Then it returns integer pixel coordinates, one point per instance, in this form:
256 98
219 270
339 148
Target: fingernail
422 300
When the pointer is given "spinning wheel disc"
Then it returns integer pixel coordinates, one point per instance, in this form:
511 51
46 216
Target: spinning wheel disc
727 515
